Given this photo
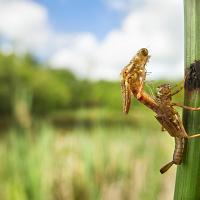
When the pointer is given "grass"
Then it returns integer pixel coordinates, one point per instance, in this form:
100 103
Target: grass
88 164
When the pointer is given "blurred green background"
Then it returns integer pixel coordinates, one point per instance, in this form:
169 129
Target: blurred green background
63 137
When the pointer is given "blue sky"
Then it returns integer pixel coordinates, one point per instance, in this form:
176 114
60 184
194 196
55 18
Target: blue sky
83 16
95 39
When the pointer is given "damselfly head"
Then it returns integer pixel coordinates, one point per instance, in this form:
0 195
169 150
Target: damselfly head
163 90
143 55
144 52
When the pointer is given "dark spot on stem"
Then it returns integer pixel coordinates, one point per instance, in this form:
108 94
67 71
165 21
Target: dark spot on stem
192 80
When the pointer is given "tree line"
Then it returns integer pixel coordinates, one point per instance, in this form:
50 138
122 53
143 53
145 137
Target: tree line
23 78
45 90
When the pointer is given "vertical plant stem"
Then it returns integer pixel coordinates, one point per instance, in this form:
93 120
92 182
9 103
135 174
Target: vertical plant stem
188 174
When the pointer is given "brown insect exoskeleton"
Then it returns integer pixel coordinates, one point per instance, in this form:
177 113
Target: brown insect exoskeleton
133 76
170 120
132 83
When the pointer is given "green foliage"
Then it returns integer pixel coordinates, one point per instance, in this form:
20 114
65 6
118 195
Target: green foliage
49 92
111 158
107 94
44 90
49 89
85 165
25 167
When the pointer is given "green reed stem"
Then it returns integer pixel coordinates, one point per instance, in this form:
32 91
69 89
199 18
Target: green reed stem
188 174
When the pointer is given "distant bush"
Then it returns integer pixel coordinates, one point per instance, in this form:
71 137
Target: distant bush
48 90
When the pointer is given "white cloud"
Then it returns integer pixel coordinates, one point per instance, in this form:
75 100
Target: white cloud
155 24
125 5
120 5
25 25
79 56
